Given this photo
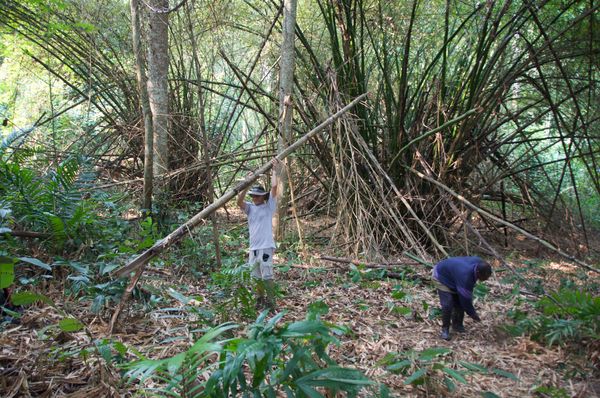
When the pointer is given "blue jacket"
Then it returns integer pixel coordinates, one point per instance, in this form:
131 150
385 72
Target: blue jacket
458 274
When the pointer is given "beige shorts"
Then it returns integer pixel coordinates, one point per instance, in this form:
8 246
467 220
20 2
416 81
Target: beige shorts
261 261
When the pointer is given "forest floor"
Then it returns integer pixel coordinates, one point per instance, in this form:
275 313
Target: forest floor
38 360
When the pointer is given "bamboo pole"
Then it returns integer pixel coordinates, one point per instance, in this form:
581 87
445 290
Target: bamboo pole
138 264
504 222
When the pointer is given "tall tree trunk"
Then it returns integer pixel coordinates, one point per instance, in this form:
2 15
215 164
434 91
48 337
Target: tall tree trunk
142 82
158 68
204 137
286 85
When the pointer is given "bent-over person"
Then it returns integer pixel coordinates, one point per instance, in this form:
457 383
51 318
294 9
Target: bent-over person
455 279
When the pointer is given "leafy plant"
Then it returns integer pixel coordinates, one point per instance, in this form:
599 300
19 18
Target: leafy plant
434 369
566 316
271 359
233 284
424 368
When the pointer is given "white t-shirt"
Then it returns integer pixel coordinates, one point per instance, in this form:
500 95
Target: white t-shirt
260 224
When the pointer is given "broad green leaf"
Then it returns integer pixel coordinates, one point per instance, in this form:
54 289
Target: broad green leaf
106 268
309 391
334 376
178 296
7 273
416 377
505 373
449 384
105 351
474 367
384 391
142 369
200 345
399 365
431 353
303 328
174 363
36 262
489 394
290 366
454 374
402 310
317 308
120 348
70 325
26 298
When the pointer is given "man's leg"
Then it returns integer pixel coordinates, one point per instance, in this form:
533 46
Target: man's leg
447 304
458 317
259 285
267 274
270 290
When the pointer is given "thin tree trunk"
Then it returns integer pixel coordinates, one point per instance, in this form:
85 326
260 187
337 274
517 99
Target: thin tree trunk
142 82
158 67
286 86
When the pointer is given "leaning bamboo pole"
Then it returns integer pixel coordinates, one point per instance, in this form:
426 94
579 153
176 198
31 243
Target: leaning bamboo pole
504 222
138 264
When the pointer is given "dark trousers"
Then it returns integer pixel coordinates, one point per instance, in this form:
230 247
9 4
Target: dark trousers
451 309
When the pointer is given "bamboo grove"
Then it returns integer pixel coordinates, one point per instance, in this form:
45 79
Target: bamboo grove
496 101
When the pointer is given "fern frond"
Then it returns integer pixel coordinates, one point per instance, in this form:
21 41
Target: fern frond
57 226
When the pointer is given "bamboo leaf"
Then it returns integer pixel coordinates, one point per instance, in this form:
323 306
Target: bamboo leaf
454 374
36 262
489 394
504 373
417 377
475 367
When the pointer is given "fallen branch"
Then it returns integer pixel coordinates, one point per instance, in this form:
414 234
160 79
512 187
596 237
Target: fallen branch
138 263
368 265
381 266
28 234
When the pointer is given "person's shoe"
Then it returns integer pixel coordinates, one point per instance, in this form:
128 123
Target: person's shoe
445 334
458 329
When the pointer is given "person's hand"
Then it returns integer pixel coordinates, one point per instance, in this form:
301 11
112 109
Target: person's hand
277 164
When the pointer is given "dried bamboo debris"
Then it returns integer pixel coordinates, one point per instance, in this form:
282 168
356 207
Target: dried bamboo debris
26 364
368 212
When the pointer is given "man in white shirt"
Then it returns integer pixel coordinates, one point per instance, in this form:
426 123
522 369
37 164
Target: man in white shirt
262 245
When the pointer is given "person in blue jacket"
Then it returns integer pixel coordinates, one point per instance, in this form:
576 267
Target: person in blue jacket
455 278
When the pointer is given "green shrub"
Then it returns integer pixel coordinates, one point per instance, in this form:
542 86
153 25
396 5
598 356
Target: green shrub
567 316
434 369
271 359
